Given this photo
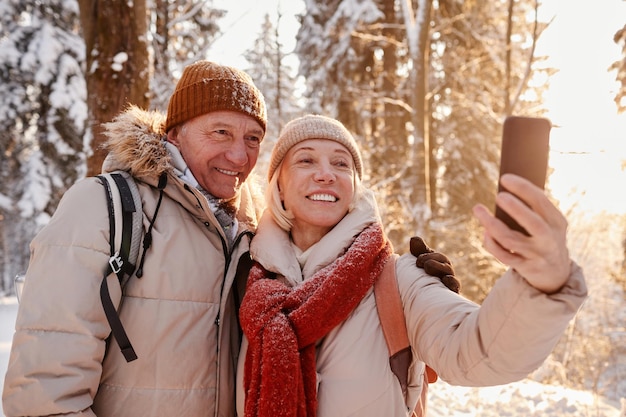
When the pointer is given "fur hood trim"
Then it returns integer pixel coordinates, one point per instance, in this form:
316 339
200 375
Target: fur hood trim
135 143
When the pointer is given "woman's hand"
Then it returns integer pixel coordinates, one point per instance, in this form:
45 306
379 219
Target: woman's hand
541 258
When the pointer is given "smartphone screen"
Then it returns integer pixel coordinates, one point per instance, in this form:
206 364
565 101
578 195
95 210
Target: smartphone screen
525 148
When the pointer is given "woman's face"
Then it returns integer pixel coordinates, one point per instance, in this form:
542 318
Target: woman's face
316 185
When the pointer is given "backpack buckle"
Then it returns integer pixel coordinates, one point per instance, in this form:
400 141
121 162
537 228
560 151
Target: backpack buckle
116 262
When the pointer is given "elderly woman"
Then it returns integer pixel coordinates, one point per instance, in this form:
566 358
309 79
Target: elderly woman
313 341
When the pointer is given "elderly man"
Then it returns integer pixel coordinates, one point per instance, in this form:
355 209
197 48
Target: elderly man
191 171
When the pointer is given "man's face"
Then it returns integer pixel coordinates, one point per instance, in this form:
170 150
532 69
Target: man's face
220 148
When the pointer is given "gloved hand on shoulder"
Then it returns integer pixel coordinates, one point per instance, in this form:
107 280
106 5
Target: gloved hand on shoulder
434 263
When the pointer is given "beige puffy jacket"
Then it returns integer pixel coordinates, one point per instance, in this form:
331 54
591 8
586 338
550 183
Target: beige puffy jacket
180 316
501 342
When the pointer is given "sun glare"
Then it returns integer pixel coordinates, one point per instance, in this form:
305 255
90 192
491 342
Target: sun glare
588 142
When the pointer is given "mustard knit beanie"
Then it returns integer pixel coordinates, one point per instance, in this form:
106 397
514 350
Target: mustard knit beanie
313 127
206 86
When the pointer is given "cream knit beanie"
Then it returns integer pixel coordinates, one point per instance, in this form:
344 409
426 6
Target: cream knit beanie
313 127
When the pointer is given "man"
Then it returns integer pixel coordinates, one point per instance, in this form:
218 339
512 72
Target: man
191 171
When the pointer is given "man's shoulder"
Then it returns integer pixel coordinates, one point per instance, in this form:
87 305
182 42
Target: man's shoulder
81 188
80 219
85 198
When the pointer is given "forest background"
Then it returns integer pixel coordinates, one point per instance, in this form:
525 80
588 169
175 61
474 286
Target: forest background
424 85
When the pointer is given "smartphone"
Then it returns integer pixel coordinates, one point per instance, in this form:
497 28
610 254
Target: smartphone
525 148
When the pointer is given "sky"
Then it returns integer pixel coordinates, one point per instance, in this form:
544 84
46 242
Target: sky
588 140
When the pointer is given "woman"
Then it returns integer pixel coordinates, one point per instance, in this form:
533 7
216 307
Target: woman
313 342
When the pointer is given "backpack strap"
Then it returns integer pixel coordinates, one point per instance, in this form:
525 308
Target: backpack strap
125 212
391 315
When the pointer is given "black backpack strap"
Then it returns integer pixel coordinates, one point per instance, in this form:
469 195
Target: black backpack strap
128 208
119 262
239 285
117 329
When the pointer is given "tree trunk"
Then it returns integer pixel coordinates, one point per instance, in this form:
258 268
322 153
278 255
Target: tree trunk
420 118
395 116
117 66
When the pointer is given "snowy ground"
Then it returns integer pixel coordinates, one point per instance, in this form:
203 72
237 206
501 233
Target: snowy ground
8 310
526 398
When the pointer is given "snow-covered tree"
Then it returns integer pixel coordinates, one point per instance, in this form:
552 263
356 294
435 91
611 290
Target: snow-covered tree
276 79
425 87
329 53
482 57
44 138
117 70
134 47
42 120
181 31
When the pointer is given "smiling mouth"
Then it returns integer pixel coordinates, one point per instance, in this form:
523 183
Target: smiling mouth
322 197
226 172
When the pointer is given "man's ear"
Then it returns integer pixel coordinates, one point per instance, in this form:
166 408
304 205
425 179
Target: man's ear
172 136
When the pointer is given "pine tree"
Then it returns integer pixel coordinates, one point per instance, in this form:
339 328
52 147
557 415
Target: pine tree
42 120
275 78
184 31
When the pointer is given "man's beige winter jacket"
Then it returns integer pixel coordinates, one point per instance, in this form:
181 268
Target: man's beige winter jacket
180 316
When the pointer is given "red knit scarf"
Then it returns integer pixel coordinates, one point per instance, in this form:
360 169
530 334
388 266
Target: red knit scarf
283 324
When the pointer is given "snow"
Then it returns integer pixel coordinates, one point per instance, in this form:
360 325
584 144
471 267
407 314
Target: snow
8 311
5 202
525 398
118 61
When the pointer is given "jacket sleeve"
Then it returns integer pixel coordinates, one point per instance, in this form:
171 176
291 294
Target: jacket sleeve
500 342
59 342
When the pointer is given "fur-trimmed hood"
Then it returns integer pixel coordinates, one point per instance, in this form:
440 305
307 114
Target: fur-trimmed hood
135 143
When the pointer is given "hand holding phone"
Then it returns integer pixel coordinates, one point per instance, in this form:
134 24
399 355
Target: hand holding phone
525 148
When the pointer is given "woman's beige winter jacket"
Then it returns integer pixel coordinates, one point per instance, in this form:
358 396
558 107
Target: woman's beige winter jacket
180 316
501 342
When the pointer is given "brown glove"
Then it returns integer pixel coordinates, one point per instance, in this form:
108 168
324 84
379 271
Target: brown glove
434 263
